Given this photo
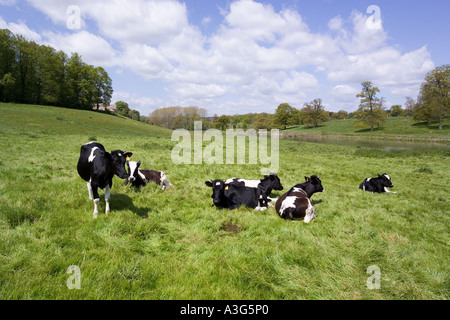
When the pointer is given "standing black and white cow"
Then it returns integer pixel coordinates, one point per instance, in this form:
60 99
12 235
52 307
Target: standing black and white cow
266 185
140 178
296 203
232 196
378 184
97 167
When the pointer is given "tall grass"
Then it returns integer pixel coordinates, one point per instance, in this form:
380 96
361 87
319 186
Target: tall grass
174 245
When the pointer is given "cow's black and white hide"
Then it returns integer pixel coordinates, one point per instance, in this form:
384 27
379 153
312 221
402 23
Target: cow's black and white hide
232 196
97 167
378 184
266 185
296 204
140 177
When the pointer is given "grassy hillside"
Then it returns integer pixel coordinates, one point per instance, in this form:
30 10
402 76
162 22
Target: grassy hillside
174 245
44 120
392 126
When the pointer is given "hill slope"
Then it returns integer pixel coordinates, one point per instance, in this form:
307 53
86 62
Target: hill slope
392 126
33 119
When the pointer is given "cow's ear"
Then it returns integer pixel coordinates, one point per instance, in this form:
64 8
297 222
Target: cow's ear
209 183
128 155
138 164
306 179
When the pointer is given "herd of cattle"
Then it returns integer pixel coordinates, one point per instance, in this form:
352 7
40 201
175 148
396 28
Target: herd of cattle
97 167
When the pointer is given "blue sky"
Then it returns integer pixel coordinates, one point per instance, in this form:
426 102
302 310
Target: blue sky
241 56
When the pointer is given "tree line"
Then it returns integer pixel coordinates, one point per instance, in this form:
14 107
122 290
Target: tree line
38 74
432 106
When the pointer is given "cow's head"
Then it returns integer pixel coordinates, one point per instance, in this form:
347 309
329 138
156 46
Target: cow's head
133 171
385 180
316 184
275 180
119 158
218 187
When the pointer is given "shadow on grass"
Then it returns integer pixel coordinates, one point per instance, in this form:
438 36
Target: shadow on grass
123 202
368 130
431 126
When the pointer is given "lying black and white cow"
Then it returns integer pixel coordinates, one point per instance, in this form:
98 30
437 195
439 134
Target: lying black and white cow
140 178
378 184
232 196
266 185
97 167
296 203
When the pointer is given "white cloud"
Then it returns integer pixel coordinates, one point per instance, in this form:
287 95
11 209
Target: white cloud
94 49
343 97
20 29
145 105
335 23
258 56
148 22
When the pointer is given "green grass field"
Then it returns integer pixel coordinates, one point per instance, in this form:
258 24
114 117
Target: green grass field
174 245
395 127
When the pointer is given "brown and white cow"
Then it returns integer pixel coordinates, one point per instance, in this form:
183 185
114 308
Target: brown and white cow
140 177
296 203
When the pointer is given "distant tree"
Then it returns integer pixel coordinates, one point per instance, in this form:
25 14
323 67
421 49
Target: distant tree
433 104
122 108
247 120
370 112
263 121
222 123
7 63
135 115
285 115
103 87
409 107
396 111
313 113
38 74
342 115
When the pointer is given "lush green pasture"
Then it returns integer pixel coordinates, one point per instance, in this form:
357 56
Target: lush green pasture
397 126
174 245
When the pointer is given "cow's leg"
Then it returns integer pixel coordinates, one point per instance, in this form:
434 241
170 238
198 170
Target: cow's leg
107 197
387 191
90 190
310 213
96 199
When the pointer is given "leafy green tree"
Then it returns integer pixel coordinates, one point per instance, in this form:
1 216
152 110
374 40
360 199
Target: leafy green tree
134 114
23 68
370 112
122 108
222 123
396 111
7 62
342 115
433 104
32 73
263 121
103 87
285 115
314 113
